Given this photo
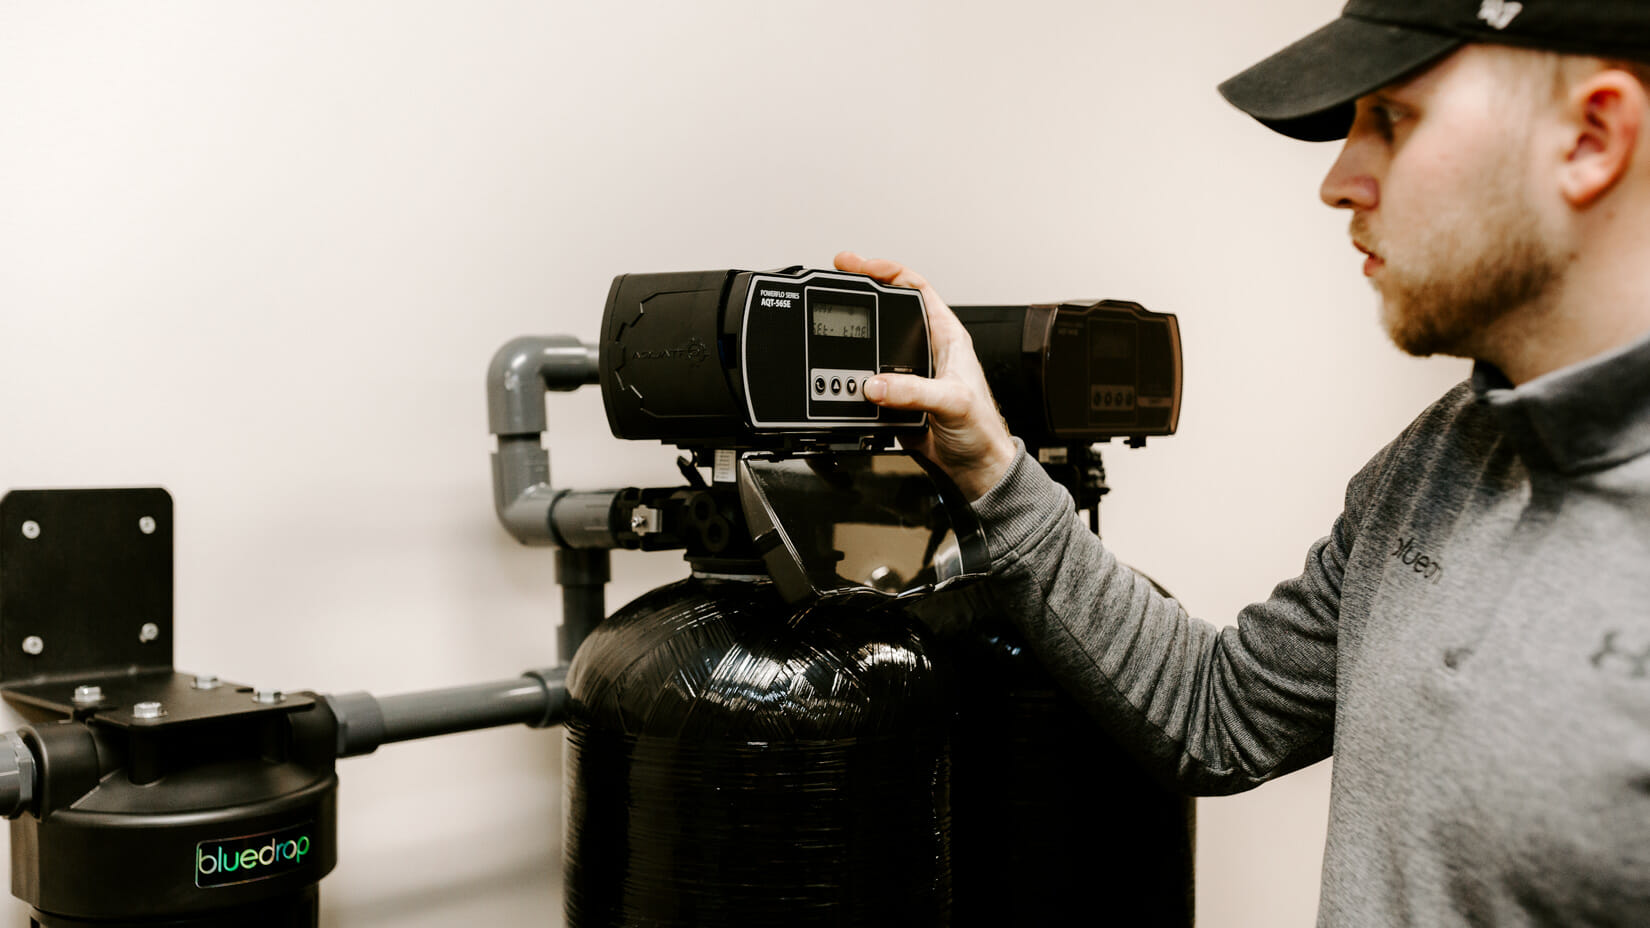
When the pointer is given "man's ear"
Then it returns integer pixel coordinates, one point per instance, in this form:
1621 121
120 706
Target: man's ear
1605 113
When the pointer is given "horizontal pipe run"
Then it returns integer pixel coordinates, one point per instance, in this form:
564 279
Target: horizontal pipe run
17 776
538 699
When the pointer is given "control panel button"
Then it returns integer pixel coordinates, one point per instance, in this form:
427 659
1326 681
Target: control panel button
838 392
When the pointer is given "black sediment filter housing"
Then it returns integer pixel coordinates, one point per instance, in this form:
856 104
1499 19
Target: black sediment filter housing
236 827
743 359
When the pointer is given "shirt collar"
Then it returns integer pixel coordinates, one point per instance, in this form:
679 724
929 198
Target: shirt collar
1584 417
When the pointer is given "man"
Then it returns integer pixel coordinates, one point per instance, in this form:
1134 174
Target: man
1472 639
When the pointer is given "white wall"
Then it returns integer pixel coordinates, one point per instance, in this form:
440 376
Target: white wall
261 254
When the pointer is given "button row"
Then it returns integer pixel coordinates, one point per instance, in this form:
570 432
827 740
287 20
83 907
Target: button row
836 386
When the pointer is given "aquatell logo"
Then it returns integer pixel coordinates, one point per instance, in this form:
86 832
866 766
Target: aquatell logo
253 857
693 352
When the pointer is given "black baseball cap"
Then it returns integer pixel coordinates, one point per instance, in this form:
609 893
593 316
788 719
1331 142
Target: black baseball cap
1307 90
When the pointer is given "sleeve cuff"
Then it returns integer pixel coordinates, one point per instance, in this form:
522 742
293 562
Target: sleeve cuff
1024 504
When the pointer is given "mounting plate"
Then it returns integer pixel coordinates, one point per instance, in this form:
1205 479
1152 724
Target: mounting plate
85 583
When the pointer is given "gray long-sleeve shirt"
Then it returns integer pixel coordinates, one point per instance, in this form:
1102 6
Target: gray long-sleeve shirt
1471 641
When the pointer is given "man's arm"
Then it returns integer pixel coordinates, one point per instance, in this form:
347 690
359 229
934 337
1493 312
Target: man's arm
1213 710
1216 710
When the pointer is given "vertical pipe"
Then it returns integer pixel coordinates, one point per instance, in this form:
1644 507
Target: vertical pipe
583 574
517 379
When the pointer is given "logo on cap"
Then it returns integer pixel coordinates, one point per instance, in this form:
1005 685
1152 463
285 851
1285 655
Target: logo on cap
1499 13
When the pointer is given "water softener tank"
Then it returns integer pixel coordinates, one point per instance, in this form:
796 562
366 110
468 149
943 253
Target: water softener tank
736 760
1054 823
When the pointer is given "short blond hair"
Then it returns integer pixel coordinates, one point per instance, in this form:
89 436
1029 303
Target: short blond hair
1564 70
1639 69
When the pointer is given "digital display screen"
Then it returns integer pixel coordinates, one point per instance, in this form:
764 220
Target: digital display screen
838 321
1111 342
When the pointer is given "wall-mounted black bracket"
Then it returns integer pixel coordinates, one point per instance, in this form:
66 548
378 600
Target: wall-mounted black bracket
86 613
85 583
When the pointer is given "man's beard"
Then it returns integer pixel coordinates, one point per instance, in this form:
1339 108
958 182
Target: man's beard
1446 290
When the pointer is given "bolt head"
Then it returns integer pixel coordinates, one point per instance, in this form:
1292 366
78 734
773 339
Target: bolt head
207 681
88 695
146 525
149 632
268 697
33 644
31 530
148 710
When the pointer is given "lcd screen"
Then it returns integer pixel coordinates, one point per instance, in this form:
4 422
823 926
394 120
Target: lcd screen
838 321
1111 341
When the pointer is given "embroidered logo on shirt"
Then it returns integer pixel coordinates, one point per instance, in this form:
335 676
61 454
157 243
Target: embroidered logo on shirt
1613 657
1499 13
1430 569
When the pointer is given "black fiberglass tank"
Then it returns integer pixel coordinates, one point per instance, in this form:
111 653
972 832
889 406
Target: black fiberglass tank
734 760
1054 824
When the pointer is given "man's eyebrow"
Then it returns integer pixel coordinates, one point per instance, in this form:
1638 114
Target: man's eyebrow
1398 87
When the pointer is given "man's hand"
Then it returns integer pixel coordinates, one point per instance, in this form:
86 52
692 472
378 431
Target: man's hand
966 435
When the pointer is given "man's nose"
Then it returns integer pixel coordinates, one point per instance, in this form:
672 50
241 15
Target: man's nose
1350 183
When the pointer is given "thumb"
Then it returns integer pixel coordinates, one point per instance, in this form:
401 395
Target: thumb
908 391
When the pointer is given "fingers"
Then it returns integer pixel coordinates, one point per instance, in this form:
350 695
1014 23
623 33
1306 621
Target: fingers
966 434
946 330
942 322
889 272
849 261
940 398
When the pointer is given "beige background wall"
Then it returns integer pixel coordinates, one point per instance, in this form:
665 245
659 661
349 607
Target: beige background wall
260 254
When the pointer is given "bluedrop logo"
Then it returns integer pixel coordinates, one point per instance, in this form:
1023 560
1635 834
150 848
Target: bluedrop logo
252 857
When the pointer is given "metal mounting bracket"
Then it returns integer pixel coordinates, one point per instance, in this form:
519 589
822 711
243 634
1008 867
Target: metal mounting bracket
85 584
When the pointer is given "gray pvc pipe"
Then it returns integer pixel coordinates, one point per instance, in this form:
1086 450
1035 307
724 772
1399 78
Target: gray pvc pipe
524 369
17 776
517 379
538 699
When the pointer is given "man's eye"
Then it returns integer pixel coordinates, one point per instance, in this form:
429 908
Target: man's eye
1384 117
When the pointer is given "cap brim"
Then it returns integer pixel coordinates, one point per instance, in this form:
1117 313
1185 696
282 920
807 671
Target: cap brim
1307 90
